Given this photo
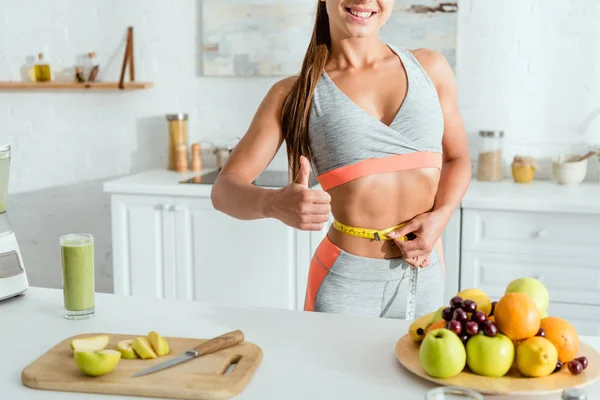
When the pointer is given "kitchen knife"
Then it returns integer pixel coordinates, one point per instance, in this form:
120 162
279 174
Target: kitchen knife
210 346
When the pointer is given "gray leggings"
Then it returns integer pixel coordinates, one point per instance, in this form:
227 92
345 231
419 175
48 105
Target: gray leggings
340 282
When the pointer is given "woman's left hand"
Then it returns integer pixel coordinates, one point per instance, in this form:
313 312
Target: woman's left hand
427 229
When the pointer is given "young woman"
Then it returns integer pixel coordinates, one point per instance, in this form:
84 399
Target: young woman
380 128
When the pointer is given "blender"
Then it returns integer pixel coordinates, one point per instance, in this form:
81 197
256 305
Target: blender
13 280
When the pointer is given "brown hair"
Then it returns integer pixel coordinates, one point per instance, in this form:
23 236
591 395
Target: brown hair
297 105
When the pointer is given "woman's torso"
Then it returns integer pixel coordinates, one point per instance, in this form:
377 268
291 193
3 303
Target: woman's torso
380 170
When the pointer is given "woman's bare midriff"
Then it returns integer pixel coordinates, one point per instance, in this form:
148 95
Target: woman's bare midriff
381 201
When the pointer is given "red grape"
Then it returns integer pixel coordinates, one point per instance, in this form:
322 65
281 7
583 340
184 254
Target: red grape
469 306
575 367
583 361
541 332
456 302
479 317
490 329
454 326
464 338
472 328
447 314
460 315
493 308
559 365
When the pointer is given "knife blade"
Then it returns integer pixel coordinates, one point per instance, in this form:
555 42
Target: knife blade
210 346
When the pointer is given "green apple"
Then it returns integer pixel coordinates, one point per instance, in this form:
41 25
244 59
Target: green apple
96 362
90 343
158 343
534 288
438 314
442 354
490 356
124 347
143 348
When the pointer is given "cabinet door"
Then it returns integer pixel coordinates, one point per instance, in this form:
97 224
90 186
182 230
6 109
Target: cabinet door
224 260
143 245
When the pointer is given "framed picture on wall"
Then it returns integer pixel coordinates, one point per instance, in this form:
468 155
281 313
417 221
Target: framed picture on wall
269 37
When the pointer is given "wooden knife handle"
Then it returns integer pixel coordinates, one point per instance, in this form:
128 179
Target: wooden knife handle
220 342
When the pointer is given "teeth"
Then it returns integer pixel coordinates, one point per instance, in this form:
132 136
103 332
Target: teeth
360 14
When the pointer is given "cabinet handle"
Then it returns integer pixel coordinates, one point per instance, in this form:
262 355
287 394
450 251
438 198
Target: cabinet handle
176 208
167 207
541 233
539 277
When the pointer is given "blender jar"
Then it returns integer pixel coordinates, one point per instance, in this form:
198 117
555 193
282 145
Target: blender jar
4 174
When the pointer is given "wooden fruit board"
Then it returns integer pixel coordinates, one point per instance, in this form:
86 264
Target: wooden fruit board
200 378
514 384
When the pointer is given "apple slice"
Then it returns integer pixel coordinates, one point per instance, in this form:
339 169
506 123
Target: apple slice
96 362
158 343
124 347
143 348
90 343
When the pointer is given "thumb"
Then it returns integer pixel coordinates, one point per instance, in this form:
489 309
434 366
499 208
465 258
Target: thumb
304 173
404 230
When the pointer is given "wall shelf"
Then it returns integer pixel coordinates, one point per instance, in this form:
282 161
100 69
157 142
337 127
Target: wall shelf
57 85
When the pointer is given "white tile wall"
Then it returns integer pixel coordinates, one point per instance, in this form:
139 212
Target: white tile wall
530 67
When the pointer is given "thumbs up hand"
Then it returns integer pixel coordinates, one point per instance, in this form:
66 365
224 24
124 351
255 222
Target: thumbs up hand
300 207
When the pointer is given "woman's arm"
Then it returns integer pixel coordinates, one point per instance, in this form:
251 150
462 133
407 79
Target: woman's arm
456 169
233 192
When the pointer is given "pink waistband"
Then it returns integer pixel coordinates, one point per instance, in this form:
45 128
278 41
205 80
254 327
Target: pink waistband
400 162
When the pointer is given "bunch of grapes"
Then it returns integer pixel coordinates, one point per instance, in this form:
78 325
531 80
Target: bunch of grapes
457 319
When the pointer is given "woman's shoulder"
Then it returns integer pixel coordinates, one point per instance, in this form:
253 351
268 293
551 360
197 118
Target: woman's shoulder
434 63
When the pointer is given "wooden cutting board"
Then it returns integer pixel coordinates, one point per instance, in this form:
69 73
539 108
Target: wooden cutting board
407 352
200 378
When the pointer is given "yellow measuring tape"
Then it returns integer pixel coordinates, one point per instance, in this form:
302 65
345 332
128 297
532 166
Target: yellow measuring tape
367 233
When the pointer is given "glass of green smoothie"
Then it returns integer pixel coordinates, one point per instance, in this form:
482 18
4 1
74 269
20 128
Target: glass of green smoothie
77 250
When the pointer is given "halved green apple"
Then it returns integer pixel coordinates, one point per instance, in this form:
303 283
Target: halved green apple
158 343
90 343
143 348
124 347
96 362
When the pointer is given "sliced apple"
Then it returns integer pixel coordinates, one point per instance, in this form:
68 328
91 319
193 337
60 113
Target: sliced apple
94 343
124 347
143 348
158 343
96 362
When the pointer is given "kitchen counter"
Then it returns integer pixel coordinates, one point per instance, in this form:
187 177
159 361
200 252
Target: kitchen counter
540 195
306 355
163 182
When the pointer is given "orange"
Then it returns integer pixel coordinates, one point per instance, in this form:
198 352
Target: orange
435 325
492 318
517 316
563 336
536 357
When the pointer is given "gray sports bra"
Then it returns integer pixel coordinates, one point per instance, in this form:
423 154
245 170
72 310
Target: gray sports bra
346 142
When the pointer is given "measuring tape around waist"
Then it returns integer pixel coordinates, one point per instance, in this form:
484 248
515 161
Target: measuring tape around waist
411 300
374 234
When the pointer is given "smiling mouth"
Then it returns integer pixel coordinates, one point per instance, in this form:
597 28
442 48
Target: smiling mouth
362 15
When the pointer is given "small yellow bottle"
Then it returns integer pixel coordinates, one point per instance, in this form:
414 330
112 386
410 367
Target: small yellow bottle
42 70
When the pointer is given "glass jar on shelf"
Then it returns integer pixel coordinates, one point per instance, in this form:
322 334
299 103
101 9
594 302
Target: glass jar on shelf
490 163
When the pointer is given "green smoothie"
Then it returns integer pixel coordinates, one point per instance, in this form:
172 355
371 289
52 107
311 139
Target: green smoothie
78 271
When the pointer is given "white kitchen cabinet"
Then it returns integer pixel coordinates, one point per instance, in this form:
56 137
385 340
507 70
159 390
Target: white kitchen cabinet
224 260
182 248
143 253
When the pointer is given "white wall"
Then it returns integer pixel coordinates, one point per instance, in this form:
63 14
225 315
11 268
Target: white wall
529 67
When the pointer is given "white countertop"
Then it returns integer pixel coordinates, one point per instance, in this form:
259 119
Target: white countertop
540 195
306 355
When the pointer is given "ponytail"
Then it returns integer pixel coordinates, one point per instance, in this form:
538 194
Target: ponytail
297 105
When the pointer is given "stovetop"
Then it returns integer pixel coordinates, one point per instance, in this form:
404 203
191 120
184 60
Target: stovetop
266 179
